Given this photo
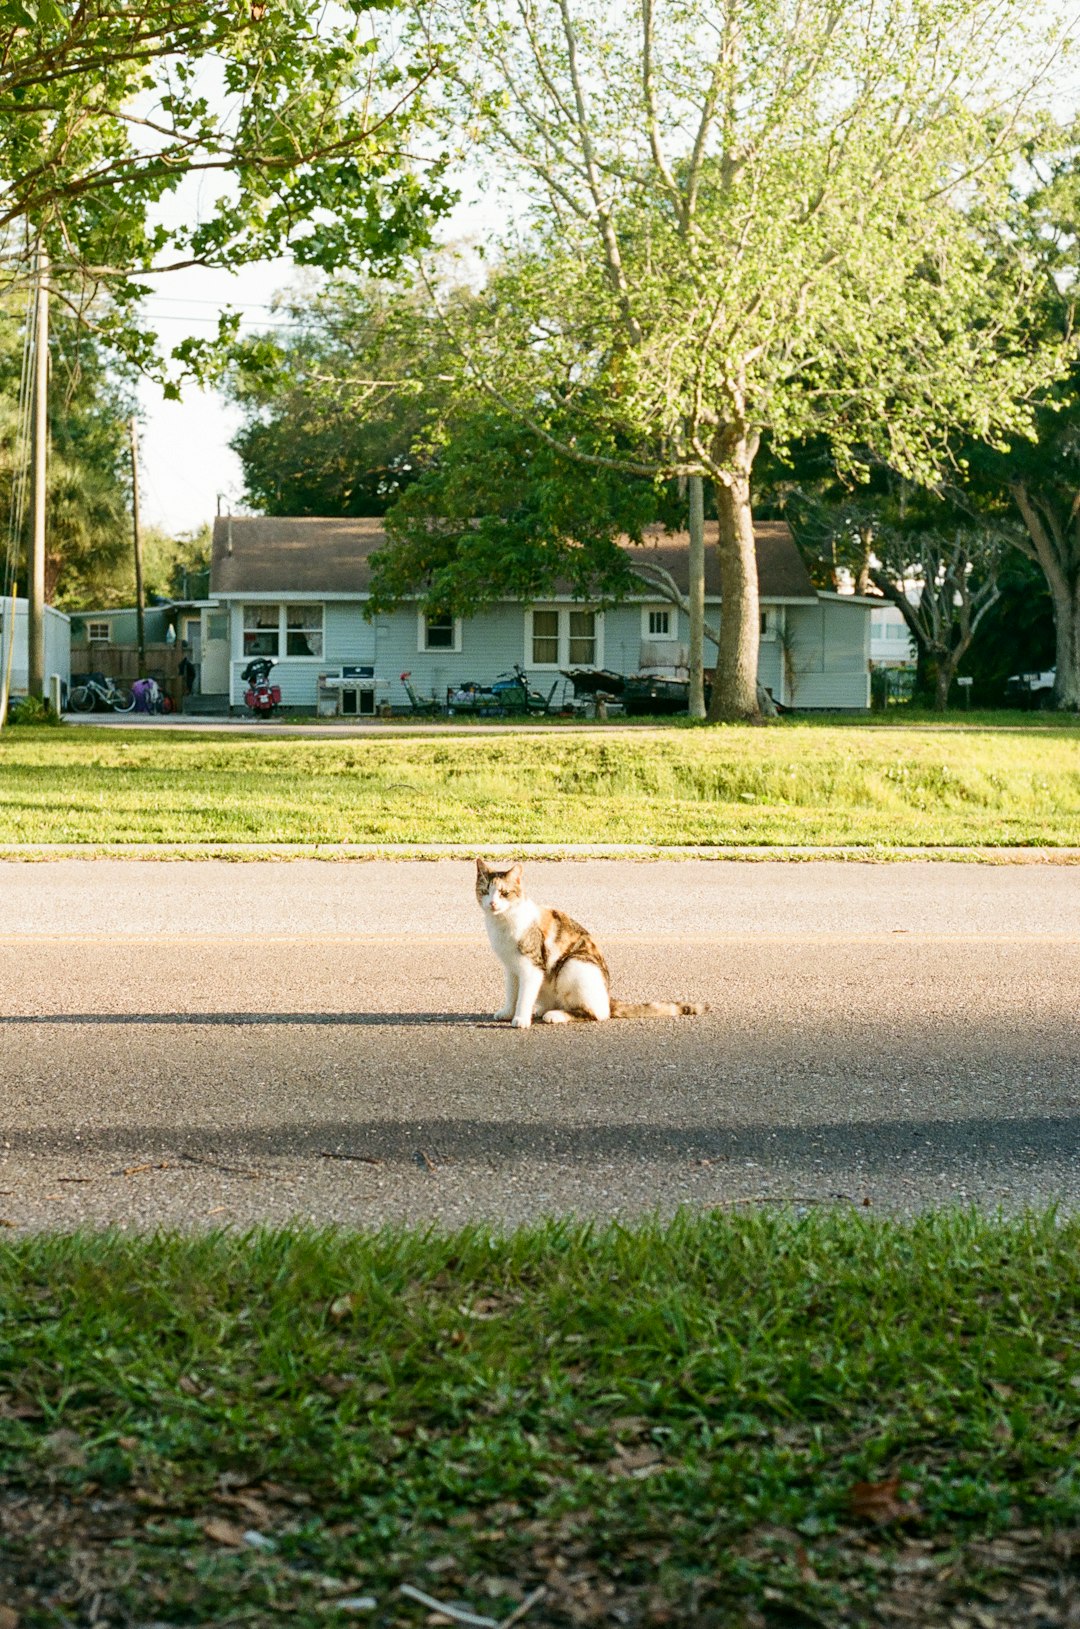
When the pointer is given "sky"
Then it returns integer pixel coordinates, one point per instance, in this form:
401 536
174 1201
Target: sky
186 465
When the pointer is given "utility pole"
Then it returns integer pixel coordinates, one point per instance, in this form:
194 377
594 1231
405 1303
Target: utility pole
696 596
35 626
140 598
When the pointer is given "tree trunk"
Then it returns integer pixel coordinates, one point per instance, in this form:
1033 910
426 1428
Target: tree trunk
696 597
1067 647
1055 544
735 695
943 683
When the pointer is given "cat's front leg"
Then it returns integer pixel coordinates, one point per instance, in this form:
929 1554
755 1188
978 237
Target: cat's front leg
529 981
510 990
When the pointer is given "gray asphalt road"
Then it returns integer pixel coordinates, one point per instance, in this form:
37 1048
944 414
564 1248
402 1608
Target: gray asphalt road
209 1043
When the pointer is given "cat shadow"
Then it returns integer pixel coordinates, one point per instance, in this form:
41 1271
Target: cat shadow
373 1020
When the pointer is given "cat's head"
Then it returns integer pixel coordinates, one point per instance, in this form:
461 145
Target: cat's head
498 887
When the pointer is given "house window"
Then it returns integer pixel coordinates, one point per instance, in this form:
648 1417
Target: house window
436 630
99 633
769 624
261 630
564 638
271 630
659 622
583 639
303 630
545 638
439 632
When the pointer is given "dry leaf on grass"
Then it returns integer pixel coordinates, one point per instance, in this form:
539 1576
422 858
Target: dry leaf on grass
643 1460
66 1448
9 1618
231 1534
880 1502
10 1409
252 1505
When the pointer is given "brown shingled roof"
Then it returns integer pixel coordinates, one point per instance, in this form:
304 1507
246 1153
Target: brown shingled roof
262 555
782 572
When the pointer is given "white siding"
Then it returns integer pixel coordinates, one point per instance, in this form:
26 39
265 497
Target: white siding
349 636
57 645
824 664
829 655
491 642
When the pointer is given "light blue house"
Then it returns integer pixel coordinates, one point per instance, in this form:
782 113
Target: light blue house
296 592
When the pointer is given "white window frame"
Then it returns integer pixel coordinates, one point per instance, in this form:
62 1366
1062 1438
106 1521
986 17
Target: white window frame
672 635
770 622
564 638
422 646
93 638
282 631
310 626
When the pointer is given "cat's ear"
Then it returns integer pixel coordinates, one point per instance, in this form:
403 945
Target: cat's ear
513 876
481 867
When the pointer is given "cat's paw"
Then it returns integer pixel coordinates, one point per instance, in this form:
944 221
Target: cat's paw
503 1012
521 1023
556 1016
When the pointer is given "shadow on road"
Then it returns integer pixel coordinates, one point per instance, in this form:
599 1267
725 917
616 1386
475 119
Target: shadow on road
399 1019
911 1145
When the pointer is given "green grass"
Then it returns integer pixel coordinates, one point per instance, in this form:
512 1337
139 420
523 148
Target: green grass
667 1423
787 784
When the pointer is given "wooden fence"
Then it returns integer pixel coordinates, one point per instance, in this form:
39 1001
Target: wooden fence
121 662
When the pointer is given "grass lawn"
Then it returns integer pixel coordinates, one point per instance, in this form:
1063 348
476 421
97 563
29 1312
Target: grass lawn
758 1420
788 783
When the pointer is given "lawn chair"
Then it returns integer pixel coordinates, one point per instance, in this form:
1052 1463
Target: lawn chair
419 706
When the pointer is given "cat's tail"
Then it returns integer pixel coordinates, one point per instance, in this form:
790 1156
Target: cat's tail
657 1009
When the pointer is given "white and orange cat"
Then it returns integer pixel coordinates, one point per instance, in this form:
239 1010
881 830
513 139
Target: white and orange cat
553 967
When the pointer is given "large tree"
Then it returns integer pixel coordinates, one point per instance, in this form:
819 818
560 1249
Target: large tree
89 532
744 218
938 557
340 406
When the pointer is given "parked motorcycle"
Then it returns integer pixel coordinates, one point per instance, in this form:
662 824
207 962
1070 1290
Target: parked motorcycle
515 693
263 698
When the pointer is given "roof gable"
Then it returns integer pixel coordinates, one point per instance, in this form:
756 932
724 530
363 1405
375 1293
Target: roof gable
263 555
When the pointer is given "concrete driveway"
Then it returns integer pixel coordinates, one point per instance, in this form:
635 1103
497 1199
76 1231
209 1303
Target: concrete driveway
197 1044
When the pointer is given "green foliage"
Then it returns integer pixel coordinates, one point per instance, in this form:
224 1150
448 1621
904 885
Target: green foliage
351 415
777 243
1017 633
177 567
681 1410
937 557
32 712
818 785
336 413
89 527
104 113
501 514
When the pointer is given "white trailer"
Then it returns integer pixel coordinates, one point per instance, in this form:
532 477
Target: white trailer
57 646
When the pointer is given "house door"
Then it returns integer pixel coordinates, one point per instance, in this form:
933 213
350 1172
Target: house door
214 650
192 637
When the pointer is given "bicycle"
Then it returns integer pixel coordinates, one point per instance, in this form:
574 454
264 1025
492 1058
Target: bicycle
99 689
